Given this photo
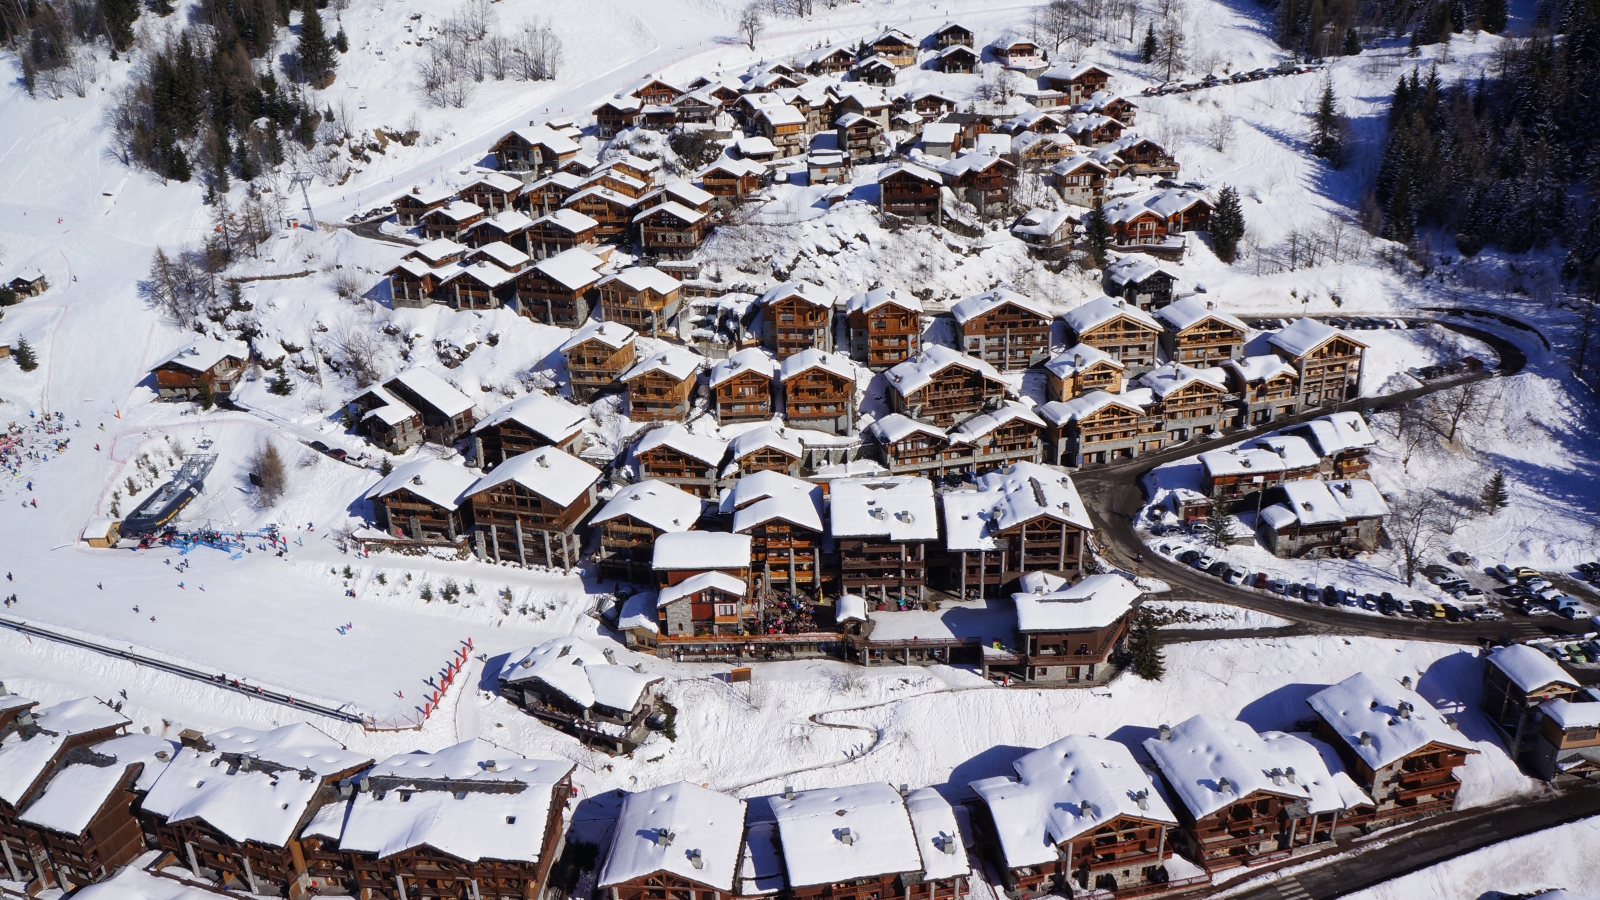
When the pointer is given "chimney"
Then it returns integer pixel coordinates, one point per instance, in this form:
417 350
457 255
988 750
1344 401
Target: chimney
1289 774
1164 733
845 837
610 655
1405 682
1455 725
1085 808
543 463
1143 799
492 765
788 792
1277 776
664 837
1366 739
416 479
1405 710
695 859
1223 787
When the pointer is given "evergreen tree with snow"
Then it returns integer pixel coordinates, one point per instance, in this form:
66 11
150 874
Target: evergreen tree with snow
1492 15
1227 225
1327 135
23 353
341 40
315 51
1495 497
206 398
1147 51
1144 650
1097 236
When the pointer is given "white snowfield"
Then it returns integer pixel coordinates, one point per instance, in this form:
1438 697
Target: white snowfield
1555 864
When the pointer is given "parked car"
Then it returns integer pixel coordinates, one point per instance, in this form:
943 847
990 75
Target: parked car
1504 573
1574 612
1188 556
1453 585
1419 609
1452 613
1433 569
1537 583
1293 590
338 453
1388 605
1260 581
1590 571
1369 602
1461 558
1279 587
1519 590
1217 568
319 446
1349 598
1435 610
1164 549
1523 573
1487 614
1535 609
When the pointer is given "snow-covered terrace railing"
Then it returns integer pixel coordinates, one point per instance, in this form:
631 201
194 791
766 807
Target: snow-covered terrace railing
809 637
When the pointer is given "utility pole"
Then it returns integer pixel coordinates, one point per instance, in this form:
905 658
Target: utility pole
303 179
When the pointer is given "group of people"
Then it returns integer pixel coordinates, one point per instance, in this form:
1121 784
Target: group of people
21 444
788 617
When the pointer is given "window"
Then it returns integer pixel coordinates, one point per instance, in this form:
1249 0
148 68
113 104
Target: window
726 609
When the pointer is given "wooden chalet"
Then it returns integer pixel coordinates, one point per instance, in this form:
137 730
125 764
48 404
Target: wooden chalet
1133 225
1117 328
631 522
1233 474
1120 108
742 387
661 387
911 447
982 180
1081 180
785 127
1078 82
596 355
447 414
892 46
529 508
952 34
885 328
35 744
410 207
1397 747
732 179
796 316
549 194
560 231
538 148
1053 831
941 385
31 283
682 555
412 283
526 424
1320 519
910 191
1268 389
1517 679
1198 334
1141 280
204 364
617 178
883 529
671 230
482 283
617 114
560 290
1569 734
509 227
1098 427
672 454
709 604
1095 130
858 137
875 72
1025 518
783 517
1327 360
867 840
1003 328
655 90
678 840
767 449
1047 230
387 420
958 59
452 221
422 501
1190 401
1246 799
643 298
1081 369
232 805
419 825
1017 52
493 192
819 391
829 60
1142 156
996 439
1343 440
576 686
612 211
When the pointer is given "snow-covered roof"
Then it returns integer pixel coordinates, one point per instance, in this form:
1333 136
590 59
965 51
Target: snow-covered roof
1041 222
503 255
1078 358
839 834
552 417
941 133
79 789
1241 461
816 295
473 801
1103 309
569 220
921 173
736 167
690 831
1060 411
1090 123
1212 762
694 584
751 359
1305 335
508 220
762 496
812 358
896 427
1383 721
1174 376
1341 431
457 210
391 413
432 390
1328 502
438 250
23 761
683 191
896 508
498 181
755 146
708 450
1094 602
550 472
642 278
1528 668
584 671
773 436
613 334
1136 267
553 140
915 373
701 550
1295 452
434 480
675 362
432 194
1078 161
867 301
573 268
1066 789
989 301
639 611
200 354
675 208
255 786
979 425
850 607
1007 498
933 822
1194 309
1567 714
654 503
1252 369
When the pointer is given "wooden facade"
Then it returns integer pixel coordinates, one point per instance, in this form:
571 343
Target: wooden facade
793 321
1126 339
179 380
1212 341
1042 544
595 363
955 390
1008 336
819 396
911 192
517 522
672 230
407 514
742 388
886 333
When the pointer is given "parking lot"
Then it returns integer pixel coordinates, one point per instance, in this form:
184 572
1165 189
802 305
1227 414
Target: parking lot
1348 323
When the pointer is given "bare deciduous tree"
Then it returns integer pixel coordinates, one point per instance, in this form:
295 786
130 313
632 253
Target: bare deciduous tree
1220 134
1465 404
1414 524
352 345
751 24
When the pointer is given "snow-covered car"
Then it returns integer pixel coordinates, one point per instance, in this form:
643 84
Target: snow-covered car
1278 587
1468 594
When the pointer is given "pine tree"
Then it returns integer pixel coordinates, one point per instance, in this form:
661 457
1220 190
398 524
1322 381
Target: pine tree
207 398
385 466
1352 43
177 163
247 165
23 352
162 8
1495 497
341 40
315 51
1221 524
1144 651
1327 137
1147 51
1227 225
1097 234
1492 15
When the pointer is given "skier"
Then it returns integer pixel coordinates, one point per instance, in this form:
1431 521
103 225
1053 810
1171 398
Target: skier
100 584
